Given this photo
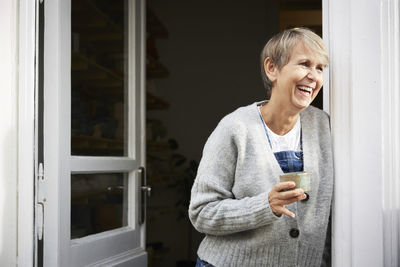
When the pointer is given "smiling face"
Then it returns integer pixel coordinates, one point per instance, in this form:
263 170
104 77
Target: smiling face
298 82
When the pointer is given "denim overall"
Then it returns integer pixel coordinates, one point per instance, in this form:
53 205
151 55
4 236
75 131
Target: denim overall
201 263
290 161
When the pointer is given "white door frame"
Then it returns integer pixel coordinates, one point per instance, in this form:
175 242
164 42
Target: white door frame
26 131
364 86
390 92
57 55
341 124
325 35
27 84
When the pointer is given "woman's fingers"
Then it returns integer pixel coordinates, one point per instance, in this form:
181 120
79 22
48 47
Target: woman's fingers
292 200
283 194
284 186
291 194
286 201
283 210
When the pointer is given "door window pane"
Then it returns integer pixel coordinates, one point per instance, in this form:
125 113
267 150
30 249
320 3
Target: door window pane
99 64
98 203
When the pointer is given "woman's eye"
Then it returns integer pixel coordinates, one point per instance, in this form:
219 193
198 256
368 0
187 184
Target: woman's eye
304 63
320 68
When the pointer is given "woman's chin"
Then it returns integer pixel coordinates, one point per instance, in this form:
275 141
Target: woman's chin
301 100
302 103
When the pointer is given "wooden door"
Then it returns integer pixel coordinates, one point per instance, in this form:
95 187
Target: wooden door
93 133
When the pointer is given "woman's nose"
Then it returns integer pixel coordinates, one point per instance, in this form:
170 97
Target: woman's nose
312 75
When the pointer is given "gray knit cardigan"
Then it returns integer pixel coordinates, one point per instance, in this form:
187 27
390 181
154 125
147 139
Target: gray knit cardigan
229 199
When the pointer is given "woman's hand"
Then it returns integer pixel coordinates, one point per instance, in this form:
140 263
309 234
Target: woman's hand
281 195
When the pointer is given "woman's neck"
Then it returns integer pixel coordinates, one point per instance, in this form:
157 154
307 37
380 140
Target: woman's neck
279 119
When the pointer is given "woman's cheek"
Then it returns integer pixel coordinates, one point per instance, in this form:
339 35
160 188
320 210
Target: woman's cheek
303 73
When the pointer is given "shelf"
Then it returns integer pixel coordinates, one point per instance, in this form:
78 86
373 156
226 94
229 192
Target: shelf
154 26
154 146
81 63
88 11
155 103
154 69
296 4
94 143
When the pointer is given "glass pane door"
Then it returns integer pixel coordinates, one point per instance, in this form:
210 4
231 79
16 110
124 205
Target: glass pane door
99 111
99 77
99 203
93 131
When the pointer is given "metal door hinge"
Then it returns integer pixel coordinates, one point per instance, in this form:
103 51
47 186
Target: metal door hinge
41 199
39 220
145 191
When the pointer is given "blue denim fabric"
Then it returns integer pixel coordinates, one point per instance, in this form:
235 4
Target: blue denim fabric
201 263
290 161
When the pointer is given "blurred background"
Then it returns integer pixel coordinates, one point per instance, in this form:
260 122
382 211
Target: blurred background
202 63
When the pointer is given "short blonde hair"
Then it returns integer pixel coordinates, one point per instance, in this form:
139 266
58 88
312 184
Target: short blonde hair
279 49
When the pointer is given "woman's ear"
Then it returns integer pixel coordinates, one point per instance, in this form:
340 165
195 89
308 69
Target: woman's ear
271 70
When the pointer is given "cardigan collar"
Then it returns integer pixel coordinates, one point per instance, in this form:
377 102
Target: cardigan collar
307 132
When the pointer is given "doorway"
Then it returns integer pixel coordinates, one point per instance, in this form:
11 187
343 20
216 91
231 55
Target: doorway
202 63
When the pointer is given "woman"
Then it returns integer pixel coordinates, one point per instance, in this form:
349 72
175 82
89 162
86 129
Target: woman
248 216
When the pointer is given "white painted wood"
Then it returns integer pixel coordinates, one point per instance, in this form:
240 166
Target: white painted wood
9 131
128 259
141 116
102 246
325 35
390 83
56 132
355 83
341 121
59 250
102 164
366 144
26 133
137 143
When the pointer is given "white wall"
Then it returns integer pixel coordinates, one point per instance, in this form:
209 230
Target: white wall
8 132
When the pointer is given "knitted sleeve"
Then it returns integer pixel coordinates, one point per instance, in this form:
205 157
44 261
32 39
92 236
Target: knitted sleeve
213 207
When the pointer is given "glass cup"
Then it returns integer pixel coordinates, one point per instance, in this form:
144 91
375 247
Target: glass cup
301 179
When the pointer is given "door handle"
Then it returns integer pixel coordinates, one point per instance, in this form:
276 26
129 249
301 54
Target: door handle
145 191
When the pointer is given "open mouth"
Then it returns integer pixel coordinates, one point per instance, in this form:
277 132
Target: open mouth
305 90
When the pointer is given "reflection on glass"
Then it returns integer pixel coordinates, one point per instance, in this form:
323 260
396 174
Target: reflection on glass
99 62
98 203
